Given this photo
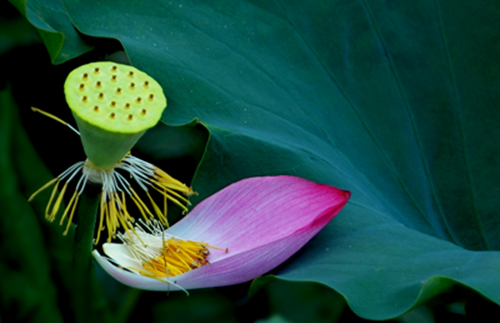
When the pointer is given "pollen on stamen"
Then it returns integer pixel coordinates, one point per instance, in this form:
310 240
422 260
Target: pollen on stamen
168 256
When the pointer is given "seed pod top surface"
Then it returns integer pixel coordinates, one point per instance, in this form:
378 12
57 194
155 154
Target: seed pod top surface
115 97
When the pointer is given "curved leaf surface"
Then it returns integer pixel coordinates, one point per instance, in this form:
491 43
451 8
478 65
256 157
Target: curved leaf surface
55 28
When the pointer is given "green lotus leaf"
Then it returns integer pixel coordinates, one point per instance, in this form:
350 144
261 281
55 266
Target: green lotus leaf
394 101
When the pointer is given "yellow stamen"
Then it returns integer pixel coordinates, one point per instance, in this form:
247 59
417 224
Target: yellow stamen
116 214
177 257
157 254
139 201
49 115
176 195
54 118
51 215
157 210
113 210
174 199
164 180
57 205
42 188
101 216
165 205
124 206
75 196
110 226
140 208
73 208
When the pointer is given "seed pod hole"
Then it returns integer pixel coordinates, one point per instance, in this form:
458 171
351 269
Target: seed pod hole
114 97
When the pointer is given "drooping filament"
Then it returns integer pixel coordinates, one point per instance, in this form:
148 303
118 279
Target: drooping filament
114 213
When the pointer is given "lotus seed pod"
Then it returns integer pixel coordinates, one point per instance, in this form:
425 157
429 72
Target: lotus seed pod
113 105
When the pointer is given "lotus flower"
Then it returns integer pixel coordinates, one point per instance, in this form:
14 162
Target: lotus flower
250 227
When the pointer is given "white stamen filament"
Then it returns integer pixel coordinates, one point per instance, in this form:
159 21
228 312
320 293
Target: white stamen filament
115 187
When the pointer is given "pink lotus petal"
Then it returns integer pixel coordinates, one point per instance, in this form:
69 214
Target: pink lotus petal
262 221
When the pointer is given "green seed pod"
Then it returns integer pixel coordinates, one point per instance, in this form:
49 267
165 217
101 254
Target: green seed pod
113 105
